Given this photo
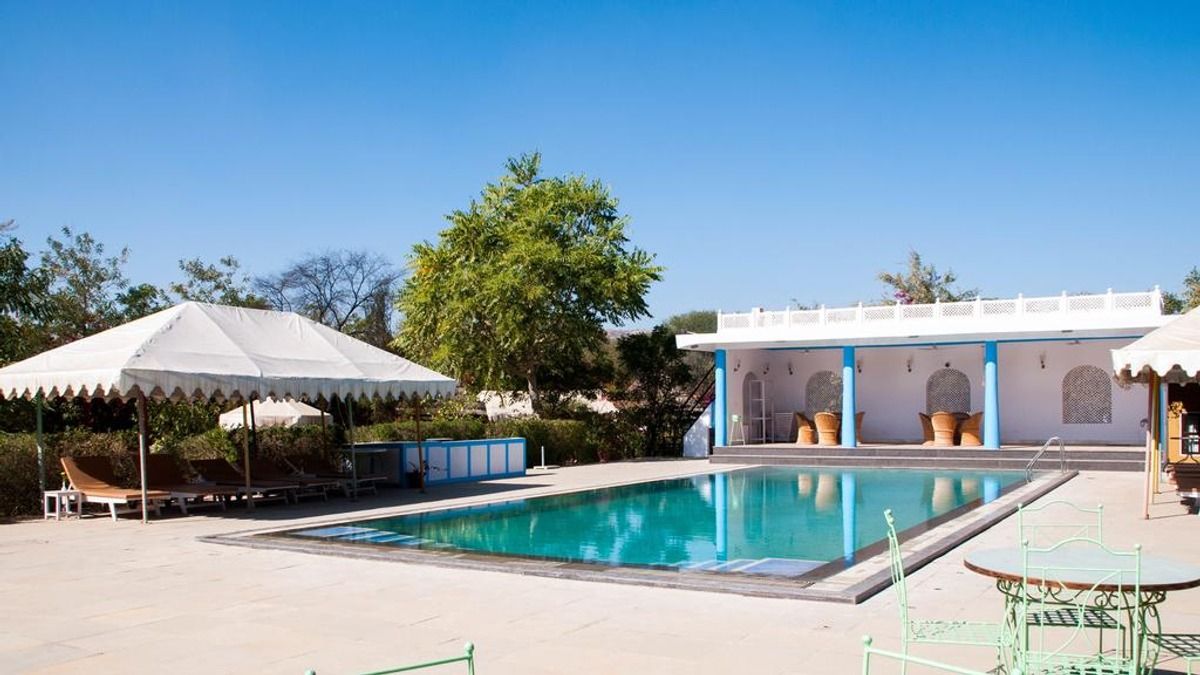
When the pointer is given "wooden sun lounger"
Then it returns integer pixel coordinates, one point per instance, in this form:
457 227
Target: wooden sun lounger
94 477
309 485
321 467
221 472
163 474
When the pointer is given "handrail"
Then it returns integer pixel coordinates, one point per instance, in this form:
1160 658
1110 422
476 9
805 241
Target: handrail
1062 457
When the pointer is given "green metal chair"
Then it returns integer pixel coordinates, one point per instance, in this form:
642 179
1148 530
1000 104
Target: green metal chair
1184 645
905 660
468 658
1066 647
1051 522
915 631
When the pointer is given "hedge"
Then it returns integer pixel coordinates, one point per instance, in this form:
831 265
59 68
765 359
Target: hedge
573 441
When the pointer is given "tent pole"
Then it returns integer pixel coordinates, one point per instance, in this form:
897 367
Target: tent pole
353 452
246 451
324 433
253 430
420 449
143 442
1152 394
41 448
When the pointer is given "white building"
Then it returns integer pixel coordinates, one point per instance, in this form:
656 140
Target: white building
1034 366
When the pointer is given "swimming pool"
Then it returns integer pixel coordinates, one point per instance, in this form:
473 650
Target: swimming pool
777 521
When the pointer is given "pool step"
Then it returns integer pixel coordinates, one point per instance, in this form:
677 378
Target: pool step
924 457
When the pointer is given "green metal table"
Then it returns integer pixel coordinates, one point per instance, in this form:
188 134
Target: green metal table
1075 570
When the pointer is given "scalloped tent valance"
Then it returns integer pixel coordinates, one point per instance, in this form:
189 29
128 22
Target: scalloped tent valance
200 351
1172 352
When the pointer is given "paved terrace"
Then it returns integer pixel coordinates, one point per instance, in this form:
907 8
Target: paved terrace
94 596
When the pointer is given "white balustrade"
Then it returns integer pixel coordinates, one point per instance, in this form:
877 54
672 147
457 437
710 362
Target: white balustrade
1116 304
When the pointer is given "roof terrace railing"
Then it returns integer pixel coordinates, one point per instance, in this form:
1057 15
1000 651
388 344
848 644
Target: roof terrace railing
1124 304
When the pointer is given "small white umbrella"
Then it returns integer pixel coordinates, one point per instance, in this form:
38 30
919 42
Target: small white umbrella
274 413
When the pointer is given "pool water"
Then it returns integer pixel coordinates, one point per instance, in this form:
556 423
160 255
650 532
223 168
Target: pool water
783 521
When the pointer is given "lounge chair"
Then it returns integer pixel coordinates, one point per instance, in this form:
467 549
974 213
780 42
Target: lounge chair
806 432
827 428
945 427
322 467
94 477
310 486
970 433
926 428
163 474
221 472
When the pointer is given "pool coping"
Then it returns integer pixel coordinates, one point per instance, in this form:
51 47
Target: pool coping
852 586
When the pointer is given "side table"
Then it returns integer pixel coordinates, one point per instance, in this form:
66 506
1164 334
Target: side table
56 502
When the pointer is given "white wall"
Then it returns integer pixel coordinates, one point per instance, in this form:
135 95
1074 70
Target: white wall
891 395
1031 397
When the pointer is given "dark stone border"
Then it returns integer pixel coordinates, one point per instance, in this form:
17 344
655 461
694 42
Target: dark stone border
799 588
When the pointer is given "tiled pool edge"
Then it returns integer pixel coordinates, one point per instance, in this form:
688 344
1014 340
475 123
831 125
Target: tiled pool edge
851 586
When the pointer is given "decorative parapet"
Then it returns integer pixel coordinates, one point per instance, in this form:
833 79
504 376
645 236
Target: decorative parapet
1125 305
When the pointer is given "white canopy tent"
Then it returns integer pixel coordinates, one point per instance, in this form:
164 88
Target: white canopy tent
275 413
1169 354
201 351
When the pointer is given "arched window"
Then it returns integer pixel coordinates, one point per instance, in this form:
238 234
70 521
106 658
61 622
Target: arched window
1087 396
823 393
947 390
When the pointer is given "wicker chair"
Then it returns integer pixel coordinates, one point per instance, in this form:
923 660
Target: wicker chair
970 431
945 426
858 418
926 428
806 432
827 428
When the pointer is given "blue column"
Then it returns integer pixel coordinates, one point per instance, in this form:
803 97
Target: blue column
849 434
720 414
991 397
991 490
721 511
849 517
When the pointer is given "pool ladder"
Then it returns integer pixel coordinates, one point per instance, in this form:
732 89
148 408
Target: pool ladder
1062 457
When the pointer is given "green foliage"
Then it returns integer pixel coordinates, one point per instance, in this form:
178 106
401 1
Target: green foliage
223 283
19 493
458 429
921 283
697 321
523 281
1188 298
567 442
215 443
651 384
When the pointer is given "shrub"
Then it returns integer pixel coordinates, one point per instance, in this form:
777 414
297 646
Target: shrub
566 441
216 443
19 493
457 429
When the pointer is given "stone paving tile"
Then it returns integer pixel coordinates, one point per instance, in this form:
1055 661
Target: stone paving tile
96 596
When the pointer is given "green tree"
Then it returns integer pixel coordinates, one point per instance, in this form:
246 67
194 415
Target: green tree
88 291
523 281
651 377
920 283
1188 298
23 298
697 321
223 283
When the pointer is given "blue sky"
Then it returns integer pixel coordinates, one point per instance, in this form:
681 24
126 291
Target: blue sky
764 152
